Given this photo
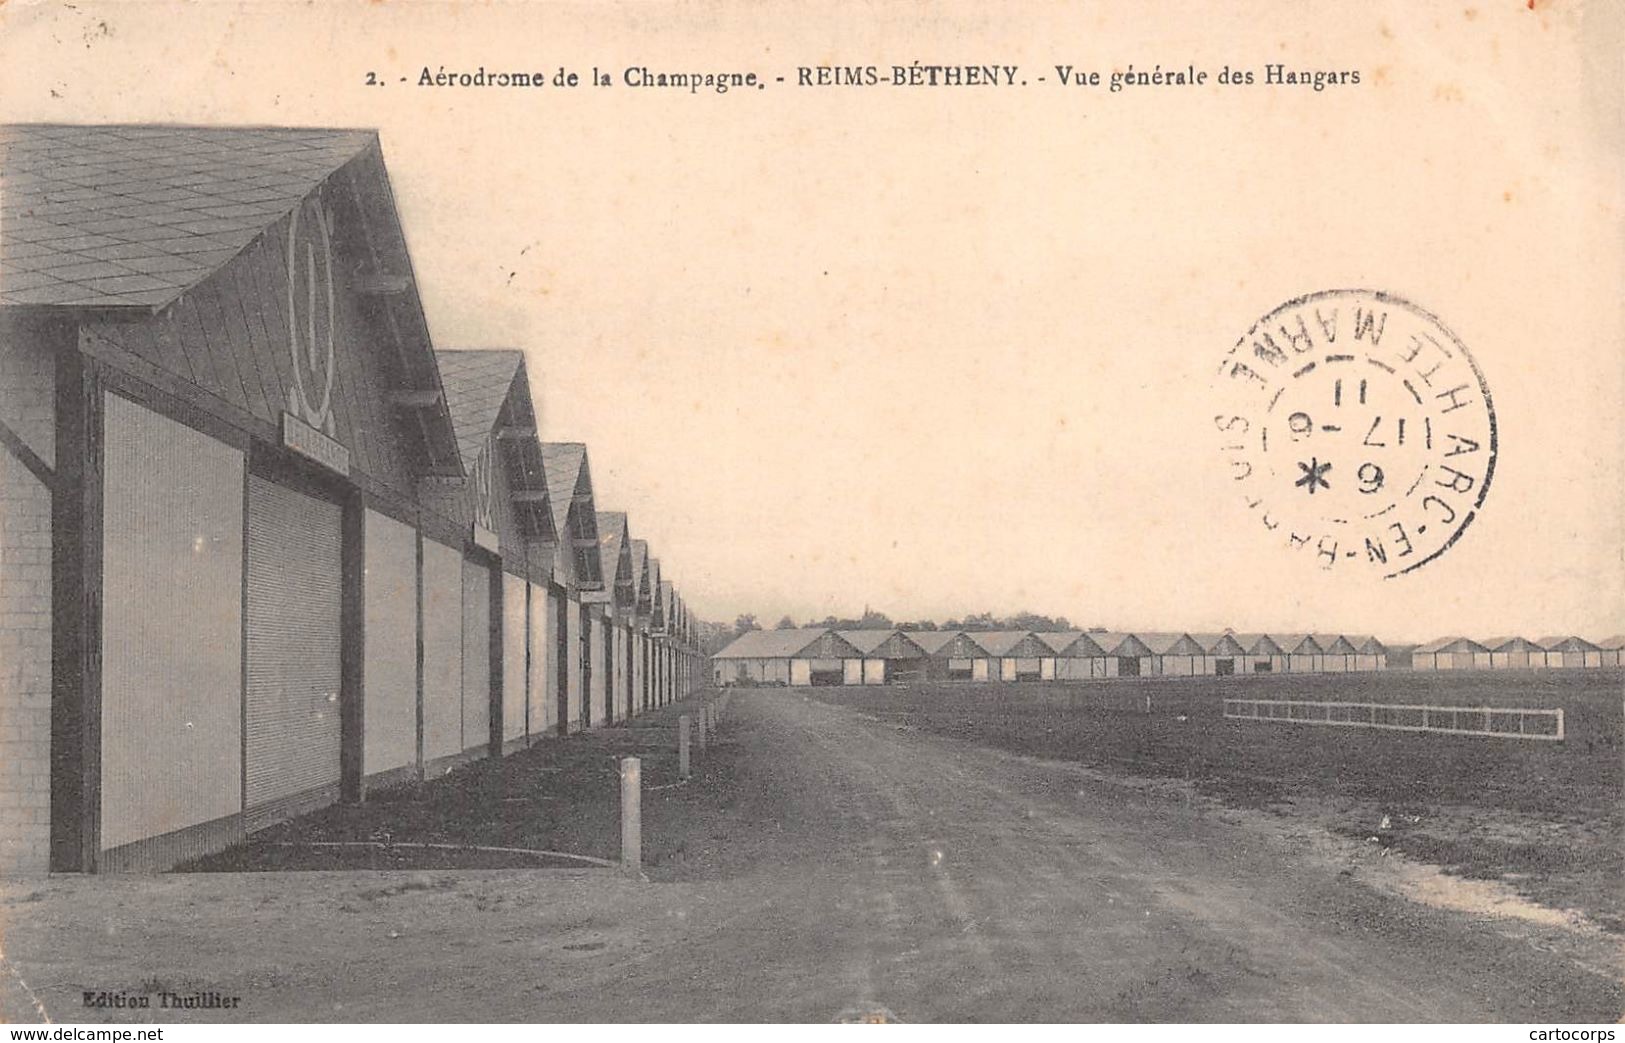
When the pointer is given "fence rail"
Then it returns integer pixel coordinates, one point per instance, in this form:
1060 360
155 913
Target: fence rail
1491 721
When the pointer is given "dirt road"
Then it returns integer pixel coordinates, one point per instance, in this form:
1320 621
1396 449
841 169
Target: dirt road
841 866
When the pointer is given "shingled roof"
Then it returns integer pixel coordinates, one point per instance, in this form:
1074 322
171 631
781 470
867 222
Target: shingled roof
612 538
477 383
126 216
932 641
563 462
640 576
770 644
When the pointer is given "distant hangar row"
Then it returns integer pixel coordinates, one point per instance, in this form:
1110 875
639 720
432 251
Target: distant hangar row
818 656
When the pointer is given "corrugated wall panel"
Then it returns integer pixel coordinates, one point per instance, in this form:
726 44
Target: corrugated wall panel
442 650
171 627
476 655
540 659
513 657
293 642
390 703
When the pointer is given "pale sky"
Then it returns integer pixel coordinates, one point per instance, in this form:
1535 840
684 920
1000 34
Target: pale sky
946 351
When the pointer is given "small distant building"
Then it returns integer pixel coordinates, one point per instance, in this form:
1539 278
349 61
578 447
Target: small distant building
1369 653
1571 653
934 665
1020 654
1337 654
868 642
1130 656
1264 654
1173 655
966 659
1515 653
1078 657
1302 652
1451 653
1223 655
761 656
1613 650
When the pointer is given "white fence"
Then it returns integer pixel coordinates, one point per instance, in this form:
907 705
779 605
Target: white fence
1496 721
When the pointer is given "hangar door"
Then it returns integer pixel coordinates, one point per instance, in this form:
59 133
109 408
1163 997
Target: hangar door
292 651
515 657
442 651
390 704
476 656
171 627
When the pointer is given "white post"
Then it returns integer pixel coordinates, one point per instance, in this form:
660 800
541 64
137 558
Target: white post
631 816
682 746
701 729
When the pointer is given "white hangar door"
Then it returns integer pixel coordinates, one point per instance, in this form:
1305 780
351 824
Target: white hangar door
389 703
292 653
442 650
172 564
515 657
476 656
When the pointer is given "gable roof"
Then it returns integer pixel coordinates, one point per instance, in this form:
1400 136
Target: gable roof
616 554
867 640
931 641
1259 644
1334 644
1512 644
562 462
899 644
1612 643
1366 644
478 383
1449 644
1567 643
488 396
770 644
575 519
640 575
193 231
133 216
1119 644
1225 644
998 642
1163 643
1058 641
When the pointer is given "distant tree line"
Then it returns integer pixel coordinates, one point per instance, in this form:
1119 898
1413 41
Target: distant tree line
872 620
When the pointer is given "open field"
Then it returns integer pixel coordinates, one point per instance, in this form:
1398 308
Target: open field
1545 817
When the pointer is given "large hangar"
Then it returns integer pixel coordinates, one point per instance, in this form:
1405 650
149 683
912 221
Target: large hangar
1568 652
620 603
228 388
577 572
1450 653
261 546
505 513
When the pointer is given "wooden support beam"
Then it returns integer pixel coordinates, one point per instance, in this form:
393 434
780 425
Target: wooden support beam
415 398
514 432
528 495
76 610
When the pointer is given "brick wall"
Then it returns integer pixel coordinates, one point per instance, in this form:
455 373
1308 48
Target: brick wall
26 377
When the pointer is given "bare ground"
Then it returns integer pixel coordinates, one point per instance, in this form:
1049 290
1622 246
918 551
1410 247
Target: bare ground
831 866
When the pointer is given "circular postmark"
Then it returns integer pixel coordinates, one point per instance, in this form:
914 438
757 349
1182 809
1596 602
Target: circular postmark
1357 429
